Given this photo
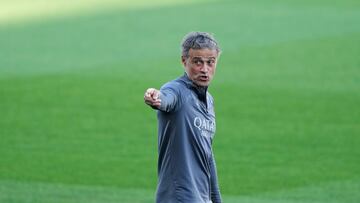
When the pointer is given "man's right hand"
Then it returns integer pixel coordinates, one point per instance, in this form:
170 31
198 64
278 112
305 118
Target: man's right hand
152 97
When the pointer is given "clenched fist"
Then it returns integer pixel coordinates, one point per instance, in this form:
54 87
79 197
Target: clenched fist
152 97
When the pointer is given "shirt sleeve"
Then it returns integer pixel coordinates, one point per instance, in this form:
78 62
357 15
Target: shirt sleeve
170 98
215 191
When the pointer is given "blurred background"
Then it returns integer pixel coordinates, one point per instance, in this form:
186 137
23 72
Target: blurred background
74 128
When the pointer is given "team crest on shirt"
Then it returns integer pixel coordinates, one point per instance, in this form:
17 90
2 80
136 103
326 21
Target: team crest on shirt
206 127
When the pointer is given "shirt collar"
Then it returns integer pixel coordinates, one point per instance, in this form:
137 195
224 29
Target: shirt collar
201 91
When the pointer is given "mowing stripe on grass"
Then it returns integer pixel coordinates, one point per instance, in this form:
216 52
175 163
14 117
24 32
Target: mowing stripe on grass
21 11
28 192
108 38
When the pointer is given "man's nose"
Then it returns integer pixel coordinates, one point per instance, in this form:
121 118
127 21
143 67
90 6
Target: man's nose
205 68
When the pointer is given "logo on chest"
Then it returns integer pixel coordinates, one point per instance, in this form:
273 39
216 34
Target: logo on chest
206 127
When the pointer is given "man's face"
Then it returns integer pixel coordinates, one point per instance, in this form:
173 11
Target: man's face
200 65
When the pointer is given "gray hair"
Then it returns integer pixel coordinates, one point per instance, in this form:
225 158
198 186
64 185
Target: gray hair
198 40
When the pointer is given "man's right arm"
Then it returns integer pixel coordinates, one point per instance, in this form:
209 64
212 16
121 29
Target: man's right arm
152 98
165 99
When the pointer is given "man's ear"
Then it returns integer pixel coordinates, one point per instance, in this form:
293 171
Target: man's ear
183 60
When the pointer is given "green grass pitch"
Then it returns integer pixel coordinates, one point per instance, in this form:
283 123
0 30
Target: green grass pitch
74 128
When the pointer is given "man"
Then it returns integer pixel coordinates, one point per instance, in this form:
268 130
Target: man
186 126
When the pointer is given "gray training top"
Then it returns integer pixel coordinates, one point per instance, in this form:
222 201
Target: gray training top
186 164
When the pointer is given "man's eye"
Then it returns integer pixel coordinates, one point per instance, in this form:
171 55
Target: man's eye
198 62
211 62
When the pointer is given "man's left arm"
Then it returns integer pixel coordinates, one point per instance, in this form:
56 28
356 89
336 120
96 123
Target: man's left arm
215 191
